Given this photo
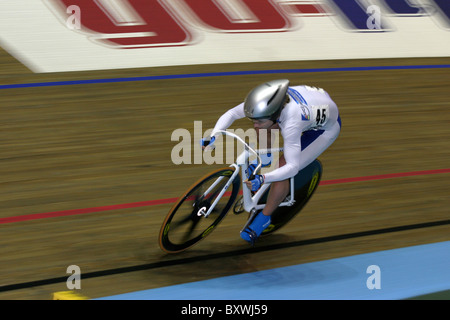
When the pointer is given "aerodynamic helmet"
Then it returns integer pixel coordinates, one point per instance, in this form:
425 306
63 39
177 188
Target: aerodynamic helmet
266 100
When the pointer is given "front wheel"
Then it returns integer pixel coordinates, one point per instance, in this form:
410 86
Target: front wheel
185 224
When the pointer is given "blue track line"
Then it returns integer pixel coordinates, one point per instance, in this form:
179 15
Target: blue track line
403 273
216 74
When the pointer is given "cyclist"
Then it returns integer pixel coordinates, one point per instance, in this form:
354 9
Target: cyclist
309 123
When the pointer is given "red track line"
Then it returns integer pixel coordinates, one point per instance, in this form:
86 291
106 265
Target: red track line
385 176
86 210
172 200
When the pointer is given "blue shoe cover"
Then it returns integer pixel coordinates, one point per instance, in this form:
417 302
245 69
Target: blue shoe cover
254 230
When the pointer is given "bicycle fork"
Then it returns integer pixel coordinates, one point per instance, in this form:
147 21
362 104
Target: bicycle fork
224 189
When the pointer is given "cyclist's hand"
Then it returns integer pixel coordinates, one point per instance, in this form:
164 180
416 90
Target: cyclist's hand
256 183
208 143
251 168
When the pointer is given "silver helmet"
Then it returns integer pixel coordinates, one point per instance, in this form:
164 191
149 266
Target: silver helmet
265 101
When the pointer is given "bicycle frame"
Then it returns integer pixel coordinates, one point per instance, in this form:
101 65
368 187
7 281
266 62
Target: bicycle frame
250 201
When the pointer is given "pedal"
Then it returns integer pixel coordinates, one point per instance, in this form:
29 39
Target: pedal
252 215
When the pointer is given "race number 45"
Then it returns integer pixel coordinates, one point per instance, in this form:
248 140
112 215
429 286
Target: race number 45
321 114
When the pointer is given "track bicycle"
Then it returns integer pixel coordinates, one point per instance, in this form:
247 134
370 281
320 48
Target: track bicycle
206 203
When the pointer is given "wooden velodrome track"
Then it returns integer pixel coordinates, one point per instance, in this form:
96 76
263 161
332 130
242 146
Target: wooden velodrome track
93 145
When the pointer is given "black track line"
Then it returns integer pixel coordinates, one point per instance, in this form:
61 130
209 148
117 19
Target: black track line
168 263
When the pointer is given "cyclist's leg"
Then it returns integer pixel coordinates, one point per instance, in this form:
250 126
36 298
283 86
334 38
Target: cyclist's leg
277 193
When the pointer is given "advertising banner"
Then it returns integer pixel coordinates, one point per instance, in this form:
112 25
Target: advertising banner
75 35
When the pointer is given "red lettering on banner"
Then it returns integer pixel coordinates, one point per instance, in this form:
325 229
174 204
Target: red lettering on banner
162 23
306 9
240 15
133 24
